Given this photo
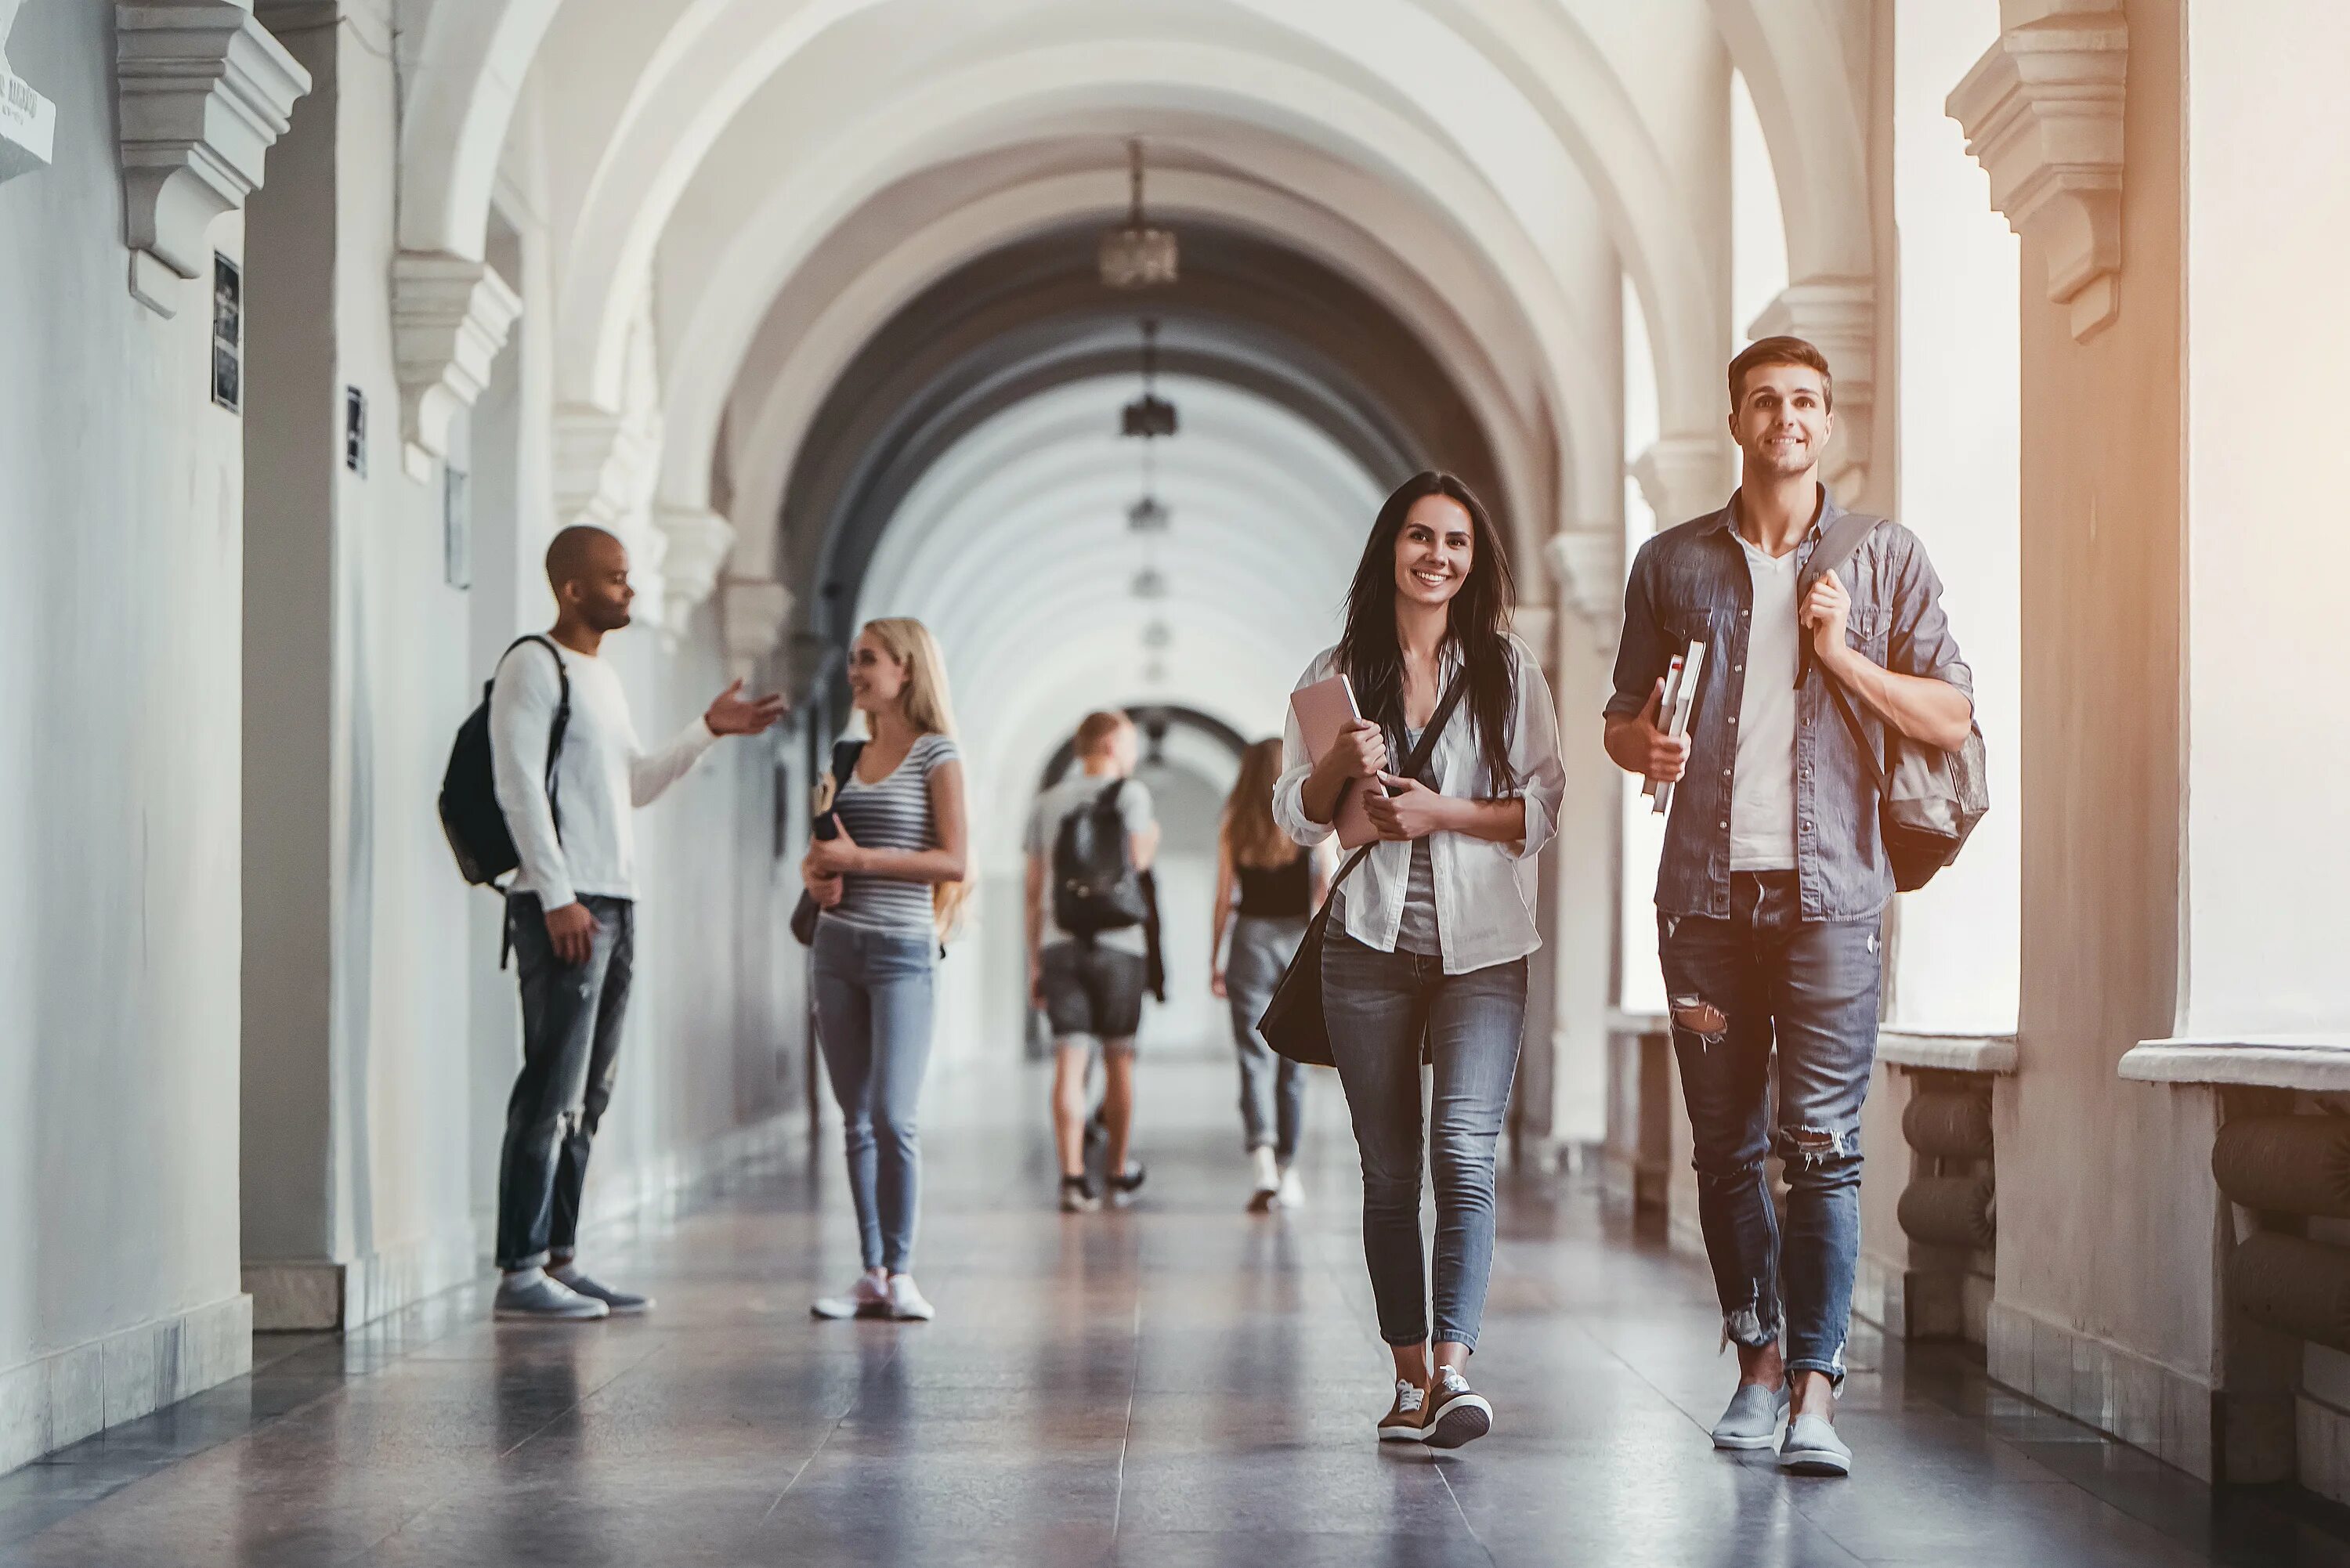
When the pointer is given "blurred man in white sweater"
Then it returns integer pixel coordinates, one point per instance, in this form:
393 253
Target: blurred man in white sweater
570 913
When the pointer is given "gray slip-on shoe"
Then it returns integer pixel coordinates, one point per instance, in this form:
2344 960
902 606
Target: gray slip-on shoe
540 1298
619 1302
1812 1448
1753 1419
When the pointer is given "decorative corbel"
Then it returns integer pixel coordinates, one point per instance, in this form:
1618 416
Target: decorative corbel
205 91
751 614
1685 476
450 317
699 540
1838 315
2043 114
1588 564
28 122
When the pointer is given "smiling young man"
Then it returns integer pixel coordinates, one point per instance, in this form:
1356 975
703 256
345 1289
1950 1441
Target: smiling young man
571 910
1773 882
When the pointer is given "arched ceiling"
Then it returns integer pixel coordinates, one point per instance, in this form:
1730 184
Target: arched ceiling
1504 128
1016 324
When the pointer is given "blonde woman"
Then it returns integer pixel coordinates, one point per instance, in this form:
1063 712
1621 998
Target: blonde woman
1278 886
888 884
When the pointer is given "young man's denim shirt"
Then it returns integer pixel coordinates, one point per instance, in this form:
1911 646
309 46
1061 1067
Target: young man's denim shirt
1691 583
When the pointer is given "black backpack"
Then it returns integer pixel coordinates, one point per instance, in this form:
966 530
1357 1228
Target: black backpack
1094 886
470 815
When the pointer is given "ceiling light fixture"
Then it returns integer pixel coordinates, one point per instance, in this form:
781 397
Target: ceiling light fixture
1149 416
1135 254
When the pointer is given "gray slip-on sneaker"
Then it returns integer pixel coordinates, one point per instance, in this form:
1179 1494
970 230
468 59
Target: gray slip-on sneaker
619 1302
1753 1419
1812 1448
537 1297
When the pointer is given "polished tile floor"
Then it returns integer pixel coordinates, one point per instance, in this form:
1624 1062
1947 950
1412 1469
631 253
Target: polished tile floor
1174 1385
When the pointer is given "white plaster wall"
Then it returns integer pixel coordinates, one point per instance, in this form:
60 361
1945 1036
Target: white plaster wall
2268 224
120 494
1957 954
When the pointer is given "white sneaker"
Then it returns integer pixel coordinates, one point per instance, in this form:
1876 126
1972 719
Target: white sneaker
1291 1192
533 1295
1267 1177
907 1303
868 1297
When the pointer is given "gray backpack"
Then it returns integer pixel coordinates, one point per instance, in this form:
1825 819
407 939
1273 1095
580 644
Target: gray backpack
1928 800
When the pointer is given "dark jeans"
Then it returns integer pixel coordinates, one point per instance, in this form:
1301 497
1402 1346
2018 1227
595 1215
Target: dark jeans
1738 987
1379 1005
873 1022
1272 1087
571 1022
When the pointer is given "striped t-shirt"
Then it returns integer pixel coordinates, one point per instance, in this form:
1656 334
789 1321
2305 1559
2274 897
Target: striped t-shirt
894 814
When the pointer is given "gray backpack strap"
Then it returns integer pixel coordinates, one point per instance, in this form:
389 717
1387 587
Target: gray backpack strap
1839 544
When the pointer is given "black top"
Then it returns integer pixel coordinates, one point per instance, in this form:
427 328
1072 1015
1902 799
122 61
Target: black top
1282 893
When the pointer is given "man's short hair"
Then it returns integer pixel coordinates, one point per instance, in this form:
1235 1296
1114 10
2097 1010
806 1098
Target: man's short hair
1780 351
1098 730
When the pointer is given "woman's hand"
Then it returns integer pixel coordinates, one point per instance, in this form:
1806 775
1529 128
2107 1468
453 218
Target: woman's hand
822 886
833 856
1414 811
1216 983
1359 753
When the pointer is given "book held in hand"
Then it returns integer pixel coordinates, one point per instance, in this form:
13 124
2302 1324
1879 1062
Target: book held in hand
1674 711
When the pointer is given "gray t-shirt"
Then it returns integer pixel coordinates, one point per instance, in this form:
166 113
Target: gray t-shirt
1079 790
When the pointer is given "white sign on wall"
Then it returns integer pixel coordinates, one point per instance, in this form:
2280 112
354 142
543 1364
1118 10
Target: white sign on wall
28 122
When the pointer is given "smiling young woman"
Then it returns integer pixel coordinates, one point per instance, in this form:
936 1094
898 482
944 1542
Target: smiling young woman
1429 937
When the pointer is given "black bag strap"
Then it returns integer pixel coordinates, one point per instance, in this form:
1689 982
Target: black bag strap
846 754
1839 543
1412 764
555 733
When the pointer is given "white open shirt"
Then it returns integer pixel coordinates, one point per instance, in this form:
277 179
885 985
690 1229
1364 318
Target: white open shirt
1484 891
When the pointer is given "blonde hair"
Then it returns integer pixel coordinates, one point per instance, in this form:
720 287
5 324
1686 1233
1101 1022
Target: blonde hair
1255 840
929 708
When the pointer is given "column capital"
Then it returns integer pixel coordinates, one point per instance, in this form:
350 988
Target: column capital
1838 315
2043 114
28 122
204 92
450 317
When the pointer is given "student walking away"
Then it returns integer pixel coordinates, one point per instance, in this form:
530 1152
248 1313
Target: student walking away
1457 752
890 884
1774 876
1090 839
1266 887
571 909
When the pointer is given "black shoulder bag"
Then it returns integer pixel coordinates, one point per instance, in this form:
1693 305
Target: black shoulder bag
827 825
1294 1023
1928 800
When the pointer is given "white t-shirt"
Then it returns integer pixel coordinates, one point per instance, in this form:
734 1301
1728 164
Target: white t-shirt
1763 791
601 774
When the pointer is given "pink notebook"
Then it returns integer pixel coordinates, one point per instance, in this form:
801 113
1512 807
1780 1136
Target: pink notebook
1324 708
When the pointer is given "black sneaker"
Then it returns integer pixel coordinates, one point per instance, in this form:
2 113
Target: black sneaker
1077 1195
1129 1183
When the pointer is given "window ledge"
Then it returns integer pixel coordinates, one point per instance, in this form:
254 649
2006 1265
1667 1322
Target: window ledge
1947 1053
2308 1061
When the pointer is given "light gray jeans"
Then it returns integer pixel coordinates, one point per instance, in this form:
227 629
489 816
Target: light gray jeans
1272 1087
873 1020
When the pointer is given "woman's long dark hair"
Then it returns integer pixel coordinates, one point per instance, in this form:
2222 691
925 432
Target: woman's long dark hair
1372 659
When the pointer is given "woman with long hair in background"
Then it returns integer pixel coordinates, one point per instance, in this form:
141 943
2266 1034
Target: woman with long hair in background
889 885
1429 939
1278 884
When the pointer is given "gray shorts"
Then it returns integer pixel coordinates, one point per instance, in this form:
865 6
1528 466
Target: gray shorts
1093 991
